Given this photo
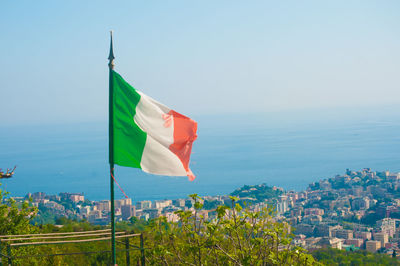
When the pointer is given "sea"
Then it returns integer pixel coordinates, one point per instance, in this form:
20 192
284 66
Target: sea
287 149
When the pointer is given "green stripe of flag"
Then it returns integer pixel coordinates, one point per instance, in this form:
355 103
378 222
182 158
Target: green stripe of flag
129 139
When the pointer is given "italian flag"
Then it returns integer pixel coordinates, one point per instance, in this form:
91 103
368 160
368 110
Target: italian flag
147 134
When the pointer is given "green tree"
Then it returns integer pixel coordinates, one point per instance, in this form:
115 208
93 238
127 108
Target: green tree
14 219
236 236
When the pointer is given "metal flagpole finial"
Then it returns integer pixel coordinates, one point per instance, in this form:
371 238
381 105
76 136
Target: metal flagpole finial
111 55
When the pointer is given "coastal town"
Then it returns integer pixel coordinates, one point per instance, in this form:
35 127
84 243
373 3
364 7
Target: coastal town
352 211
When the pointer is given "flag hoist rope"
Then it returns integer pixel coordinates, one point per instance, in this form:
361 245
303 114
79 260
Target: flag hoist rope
123 192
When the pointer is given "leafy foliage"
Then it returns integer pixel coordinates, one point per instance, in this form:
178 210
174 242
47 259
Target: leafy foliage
15 219
236 237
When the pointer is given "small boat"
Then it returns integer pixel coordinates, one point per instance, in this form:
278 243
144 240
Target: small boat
9 173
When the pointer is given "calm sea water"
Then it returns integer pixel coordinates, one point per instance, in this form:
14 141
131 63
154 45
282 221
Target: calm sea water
285 150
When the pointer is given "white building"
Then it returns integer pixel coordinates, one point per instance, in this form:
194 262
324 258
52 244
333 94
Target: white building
387 225
282 205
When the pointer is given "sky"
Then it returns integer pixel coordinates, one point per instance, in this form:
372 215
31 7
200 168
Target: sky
197 57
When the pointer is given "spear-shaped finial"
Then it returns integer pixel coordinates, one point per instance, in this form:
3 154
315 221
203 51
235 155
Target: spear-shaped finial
111 55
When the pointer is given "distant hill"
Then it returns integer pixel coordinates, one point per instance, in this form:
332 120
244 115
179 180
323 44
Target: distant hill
259 193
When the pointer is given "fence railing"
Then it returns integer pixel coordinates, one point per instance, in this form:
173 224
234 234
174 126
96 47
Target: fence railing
10 242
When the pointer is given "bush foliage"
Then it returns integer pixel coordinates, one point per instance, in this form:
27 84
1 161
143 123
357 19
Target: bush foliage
236 237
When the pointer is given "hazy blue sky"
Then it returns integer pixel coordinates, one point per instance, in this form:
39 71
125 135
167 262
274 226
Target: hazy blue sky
198 57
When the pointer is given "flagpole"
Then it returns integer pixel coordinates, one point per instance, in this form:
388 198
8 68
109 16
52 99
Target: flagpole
111 148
